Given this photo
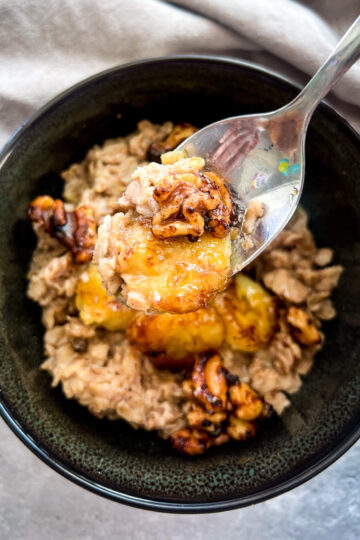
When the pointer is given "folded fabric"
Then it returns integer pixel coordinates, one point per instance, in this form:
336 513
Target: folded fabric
46 47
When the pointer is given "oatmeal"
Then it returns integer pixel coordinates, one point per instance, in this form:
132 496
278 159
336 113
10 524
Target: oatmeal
200 378
253 213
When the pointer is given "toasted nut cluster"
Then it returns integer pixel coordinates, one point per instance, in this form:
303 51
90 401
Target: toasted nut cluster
191 203
222 407
303 327
76 230
179 133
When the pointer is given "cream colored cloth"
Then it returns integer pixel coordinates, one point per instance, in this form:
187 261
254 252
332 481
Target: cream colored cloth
46 47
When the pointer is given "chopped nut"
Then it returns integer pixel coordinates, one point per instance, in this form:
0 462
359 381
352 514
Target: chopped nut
239 429
76 230
191 203
209 381
190 441
177 135
248 404
304 329
208 421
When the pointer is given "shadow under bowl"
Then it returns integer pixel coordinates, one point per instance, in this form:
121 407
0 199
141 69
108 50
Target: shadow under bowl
110 458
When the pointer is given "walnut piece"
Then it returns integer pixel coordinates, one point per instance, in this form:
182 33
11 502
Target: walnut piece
76 230
190 203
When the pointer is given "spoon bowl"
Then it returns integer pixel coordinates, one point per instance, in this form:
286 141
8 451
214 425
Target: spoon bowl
262 156
247 153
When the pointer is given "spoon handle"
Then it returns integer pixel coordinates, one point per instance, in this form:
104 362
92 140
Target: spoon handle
340 60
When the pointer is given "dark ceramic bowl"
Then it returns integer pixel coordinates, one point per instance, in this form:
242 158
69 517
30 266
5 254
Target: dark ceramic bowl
110 458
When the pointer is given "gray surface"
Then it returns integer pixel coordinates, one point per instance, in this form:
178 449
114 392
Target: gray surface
37 503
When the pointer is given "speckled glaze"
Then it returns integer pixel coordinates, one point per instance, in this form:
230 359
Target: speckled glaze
111 458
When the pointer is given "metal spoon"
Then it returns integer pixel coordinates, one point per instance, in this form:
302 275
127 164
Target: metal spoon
262 156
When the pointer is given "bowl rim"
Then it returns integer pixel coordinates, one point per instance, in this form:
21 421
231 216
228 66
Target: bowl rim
330 455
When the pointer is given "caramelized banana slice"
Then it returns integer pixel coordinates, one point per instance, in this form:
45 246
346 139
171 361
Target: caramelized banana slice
209 381
248 404
175 276
303 327
170 252
76 230
96 306
249 314
171 340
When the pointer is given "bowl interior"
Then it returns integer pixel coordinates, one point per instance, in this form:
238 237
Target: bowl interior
111 457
